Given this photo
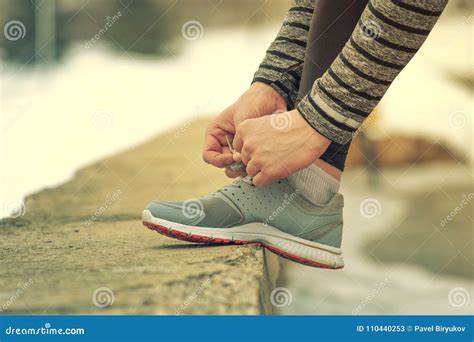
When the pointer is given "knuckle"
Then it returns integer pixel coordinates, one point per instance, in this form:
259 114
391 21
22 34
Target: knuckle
259 182
267 173
252 169
259 159
257 162
241 127
264 173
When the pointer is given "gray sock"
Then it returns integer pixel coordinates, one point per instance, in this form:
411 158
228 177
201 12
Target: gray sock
315 184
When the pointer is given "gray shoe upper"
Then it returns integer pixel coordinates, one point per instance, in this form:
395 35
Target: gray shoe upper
278 205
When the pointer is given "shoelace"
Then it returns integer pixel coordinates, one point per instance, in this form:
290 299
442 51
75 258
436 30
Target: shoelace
236 183
239 166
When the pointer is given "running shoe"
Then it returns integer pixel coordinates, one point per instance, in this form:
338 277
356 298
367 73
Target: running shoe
277 217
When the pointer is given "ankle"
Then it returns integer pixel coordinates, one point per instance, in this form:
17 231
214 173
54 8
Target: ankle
329 169
315 184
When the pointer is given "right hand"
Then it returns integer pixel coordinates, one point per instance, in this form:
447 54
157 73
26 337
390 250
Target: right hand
259 100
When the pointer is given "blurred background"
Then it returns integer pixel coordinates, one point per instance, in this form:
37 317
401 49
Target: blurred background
82 80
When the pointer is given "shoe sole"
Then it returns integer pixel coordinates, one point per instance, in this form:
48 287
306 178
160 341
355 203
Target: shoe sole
287 246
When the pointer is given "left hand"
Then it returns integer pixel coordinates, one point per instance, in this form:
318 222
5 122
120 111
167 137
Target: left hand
275 146
259 100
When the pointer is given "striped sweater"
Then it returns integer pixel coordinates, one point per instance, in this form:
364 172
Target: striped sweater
283 63
387 36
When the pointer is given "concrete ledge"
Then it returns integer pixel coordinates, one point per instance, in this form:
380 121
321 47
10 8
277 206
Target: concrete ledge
81 246
272 278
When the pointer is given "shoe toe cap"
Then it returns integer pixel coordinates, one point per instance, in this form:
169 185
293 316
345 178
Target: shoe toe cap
180 212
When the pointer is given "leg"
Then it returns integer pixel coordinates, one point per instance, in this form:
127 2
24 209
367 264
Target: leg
331 26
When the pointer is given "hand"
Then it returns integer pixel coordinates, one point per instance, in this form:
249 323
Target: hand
275 146
259 100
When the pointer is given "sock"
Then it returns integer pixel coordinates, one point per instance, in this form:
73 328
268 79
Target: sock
315 184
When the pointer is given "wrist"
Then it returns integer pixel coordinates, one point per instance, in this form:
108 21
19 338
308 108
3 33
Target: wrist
317 142
268 92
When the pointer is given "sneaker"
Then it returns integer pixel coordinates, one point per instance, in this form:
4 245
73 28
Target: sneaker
277 217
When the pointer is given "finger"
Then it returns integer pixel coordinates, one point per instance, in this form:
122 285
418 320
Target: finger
237 157
245 157
218 159
226 149
238 142
234 174
212 140
214 152
252 169
262 180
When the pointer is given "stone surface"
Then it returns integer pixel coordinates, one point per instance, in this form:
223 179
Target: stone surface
86 237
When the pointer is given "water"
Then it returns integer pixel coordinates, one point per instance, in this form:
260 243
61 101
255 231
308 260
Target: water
425 99
58 119
367 285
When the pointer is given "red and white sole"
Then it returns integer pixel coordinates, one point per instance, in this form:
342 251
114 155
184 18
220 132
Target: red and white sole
286 245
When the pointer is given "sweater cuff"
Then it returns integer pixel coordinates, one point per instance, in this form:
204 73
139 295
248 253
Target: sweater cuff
332 125
282 83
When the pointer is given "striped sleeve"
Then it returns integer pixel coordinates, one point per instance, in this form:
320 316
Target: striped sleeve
388 35
283 63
